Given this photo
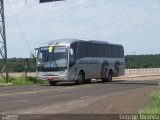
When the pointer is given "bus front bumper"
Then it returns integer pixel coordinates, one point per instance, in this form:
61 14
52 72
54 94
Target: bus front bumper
44 76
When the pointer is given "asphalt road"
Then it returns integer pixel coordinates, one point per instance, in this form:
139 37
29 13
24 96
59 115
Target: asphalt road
121 96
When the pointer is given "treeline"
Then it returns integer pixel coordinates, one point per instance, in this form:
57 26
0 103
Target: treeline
142 61
132 62
18 64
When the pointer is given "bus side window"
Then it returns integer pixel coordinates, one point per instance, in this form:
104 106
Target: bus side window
100 50
73 54
92 52
82 50
72 57
122 52
108 51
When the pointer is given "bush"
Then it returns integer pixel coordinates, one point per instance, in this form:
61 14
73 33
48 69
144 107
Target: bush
2 81
21 81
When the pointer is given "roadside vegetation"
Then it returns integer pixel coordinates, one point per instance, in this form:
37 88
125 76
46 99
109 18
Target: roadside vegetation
142 61
18 64
2 82
154 107
20 81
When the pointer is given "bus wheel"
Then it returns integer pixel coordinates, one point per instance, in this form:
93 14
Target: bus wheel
105 78
81 79
110 76
53 83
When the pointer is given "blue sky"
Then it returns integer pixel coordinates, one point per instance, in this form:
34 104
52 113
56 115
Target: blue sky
133 23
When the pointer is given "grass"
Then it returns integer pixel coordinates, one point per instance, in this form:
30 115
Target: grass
154 107
20 81
2 82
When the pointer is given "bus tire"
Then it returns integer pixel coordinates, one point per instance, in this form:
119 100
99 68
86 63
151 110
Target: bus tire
81 78
103 68
110 76
104 79
117 64
52 83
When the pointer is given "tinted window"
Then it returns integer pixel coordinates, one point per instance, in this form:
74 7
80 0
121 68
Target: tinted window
82 50
73 56
121 52
100 50
115 51
92 52
118 52
74 46
108 51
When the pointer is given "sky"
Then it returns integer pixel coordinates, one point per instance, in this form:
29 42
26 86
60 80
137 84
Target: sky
133 23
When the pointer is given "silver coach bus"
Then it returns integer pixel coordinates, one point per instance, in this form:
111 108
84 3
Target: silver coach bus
79 61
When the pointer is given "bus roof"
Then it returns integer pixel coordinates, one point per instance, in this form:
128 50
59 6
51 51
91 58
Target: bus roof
67 42
60 42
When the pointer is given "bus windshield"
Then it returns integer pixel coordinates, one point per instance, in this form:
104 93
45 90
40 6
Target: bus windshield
52 58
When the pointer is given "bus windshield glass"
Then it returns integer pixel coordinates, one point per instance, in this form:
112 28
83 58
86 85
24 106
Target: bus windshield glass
52 58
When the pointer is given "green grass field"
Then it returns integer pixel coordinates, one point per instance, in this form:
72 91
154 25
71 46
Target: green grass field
154 107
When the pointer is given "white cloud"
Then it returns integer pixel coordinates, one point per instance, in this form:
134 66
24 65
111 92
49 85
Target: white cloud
82 2
17 7
156 6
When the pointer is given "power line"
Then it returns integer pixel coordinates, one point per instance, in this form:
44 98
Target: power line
19 28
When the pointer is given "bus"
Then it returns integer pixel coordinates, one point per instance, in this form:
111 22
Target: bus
79 61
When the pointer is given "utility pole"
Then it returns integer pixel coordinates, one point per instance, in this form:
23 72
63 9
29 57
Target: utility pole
26 67
3 47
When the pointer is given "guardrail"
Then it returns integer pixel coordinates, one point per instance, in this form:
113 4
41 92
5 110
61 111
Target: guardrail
142 72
